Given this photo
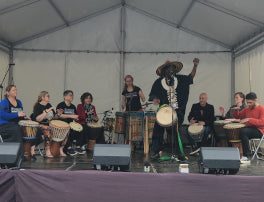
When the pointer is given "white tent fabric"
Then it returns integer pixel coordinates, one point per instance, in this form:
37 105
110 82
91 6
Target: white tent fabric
4 61
249 73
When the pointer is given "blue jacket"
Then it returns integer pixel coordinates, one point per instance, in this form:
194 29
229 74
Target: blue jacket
5 115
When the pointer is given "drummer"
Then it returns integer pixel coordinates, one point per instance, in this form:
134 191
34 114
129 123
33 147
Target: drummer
43 112
203 114
11 112
87 114
239 102
159 94
69 114
253 117
131 95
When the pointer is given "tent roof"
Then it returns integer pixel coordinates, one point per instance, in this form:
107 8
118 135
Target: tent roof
228 23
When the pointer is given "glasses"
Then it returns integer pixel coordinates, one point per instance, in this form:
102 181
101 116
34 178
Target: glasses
47 95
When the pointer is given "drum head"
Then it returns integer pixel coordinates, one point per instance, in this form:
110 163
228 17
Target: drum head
234 126
28 123
195 129
76 126
164 116
59 124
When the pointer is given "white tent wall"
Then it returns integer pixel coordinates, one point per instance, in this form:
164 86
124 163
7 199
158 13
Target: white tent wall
213 75
4 62
249 73
99 73
56 72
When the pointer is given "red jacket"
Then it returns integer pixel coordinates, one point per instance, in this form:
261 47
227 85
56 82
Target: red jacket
256 117
81 113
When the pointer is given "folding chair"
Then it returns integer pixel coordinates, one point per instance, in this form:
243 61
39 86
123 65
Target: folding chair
256 146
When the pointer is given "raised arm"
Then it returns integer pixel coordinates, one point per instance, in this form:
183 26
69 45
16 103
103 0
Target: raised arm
195 64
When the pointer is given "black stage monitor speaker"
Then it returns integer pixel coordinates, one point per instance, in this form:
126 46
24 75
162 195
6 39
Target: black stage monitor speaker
219 160
112 155
11 155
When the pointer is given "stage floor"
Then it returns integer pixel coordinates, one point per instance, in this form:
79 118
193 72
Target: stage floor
85 162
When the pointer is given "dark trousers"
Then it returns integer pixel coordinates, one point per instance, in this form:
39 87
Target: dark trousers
207 131
74 135
245 135
11 132
157 138
99 137
38 138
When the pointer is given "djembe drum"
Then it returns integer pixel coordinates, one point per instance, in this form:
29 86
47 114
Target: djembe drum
94 131
29 130
59 131
232 131
220 132
166 116
196 132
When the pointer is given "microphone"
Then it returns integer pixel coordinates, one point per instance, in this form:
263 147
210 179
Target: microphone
171 80
12 64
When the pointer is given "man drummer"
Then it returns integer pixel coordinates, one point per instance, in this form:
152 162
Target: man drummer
201 113
68 113
253 117
159 94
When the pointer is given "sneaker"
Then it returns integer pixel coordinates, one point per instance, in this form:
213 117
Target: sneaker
195 151
83 148
80 151
71 152
244 160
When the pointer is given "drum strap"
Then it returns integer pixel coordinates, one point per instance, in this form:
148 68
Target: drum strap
180 142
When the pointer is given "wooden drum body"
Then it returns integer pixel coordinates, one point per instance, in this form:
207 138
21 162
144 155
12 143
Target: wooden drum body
196 132
164 116
29 130
120 123
232 131
220 132
59 131
134 126
150 119
94 131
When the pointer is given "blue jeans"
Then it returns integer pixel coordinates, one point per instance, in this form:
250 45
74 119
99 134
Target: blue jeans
207 131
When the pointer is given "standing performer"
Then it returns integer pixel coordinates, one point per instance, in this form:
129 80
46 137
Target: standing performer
11 112
43 112
161 91
69 114
131 95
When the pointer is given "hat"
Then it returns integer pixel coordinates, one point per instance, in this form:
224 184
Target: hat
177 67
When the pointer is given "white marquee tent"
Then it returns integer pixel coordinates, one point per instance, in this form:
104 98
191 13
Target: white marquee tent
89 45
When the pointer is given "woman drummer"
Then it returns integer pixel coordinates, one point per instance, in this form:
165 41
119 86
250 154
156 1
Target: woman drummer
239 102
131 95
11 112
87 114
43 112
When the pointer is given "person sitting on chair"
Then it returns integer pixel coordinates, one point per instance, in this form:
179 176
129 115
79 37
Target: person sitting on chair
253 117
201 113
11 112
69 114
240 100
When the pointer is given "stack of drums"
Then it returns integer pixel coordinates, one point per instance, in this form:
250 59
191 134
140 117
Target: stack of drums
232 131
220 133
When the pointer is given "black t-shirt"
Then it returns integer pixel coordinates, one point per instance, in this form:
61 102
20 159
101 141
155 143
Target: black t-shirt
132 99
13 109
70 110
182 90
39 109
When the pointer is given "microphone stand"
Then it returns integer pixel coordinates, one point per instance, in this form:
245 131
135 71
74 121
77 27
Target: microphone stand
1 85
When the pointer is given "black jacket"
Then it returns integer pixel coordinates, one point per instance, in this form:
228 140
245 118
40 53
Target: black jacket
200 113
